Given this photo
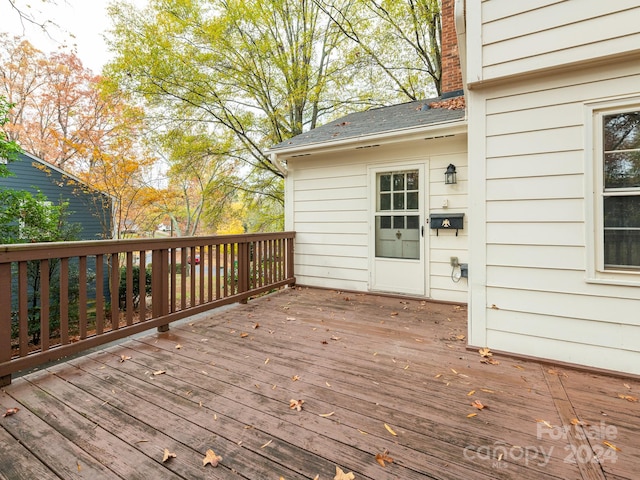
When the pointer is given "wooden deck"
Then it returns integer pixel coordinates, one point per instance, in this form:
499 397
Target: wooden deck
376 374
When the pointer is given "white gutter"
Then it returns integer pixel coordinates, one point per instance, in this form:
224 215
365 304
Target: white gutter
282 168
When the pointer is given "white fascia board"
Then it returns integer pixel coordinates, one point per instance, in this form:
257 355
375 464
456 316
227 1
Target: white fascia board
394 136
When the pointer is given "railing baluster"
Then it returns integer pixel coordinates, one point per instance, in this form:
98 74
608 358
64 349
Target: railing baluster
82 297
129 289
64 301
44 305
99 294
219 277
203 263
142 286
5 319
23 309
115 295
173 307
183 278
210 273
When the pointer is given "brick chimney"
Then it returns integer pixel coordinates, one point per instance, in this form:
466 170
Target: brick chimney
451 79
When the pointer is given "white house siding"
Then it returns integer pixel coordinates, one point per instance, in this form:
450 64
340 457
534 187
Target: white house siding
525 36
531 221
329 207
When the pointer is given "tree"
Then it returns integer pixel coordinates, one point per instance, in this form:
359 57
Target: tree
402 38
8 148
265 70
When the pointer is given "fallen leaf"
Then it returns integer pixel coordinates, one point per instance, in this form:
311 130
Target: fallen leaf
485 352
471 393
460 337
612 446
327 384
159 372
326 414
490 361
11 411
519 367
628 398
167 455
478 404
124 358
296 404
211 458
178 347
454 371
393 314
295 378
390 430
335 338
266 361
546 424
438 375
257 325
575 421
244 335
472 415
383 457
486 390
340 475
267 444
627 385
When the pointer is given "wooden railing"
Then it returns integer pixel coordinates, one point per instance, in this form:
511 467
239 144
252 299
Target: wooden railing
58 299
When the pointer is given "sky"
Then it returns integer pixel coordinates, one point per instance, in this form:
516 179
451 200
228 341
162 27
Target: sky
80 23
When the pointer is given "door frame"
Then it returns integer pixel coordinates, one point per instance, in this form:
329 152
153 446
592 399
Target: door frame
422 165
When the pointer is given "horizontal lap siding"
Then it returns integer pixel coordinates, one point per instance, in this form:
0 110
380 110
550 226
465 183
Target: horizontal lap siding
546 34
331 213
538 301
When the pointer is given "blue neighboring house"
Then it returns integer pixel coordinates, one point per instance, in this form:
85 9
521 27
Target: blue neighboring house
91 209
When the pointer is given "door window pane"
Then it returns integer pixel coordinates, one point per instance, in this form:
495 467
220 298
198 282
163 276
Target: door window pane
385 201
412 181
385 222
412 200
398 222
398 201
398 181
413 221
385 182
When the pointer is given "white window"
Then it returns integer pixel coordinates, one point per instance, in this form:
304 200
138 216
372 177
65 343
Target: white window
616 192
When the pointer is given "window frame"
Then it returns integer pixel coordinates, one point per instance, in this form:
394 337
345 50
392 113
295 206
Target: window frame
596 192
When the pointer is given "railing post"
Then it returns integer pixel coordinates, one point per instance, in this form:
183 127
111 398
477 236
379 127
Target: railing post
290 258
159 286
5 319
243 268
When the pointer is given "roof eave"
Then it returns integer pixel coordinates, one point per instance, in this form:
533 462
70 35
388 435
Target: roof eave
449 128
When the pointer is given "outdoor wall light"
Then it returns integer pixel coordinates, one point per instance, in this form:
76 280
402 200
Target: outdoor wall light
450 176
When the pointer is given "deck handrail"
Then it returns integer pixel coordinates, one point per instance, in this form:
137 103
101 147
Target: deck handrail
61 298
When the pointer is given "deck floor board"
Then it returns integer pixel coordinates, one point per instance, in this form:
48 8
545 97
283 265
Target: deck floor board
361 363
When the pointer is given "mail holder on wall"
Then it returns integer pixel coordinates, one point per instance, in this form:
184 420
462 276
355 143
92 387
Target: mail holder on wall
446 221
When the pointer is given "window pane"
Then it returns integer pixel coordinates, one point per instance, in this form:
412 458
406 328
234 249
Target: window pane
412 181
412 201
385 201
398 181
622 170
398 222
385 222
622 131
398 201
622 248
385 182
622 212
413 221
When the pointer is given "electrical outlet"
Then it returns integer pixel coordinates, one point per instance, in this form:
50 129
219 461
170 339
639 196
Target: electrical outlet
454 261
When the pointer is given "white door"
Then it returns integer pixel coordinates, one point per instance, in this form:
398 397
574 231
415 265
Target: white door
398 243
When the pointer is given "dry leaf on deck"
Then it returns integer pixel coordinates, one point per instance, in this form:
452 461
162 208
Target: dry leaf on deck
326 414
471 415
471 393
628 398
612 446
340 475
211 458
167 455
10 411
478 404
295 378
383 457
546 424
124 358
490 361
390 430
485 352
295 404
257 325
178 346
244 335
159 372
